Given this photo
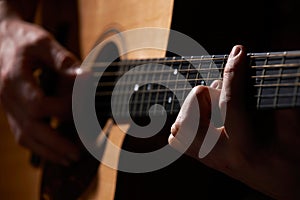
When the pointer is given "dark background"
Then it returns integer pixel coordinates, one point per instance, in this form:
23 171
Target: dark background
260 25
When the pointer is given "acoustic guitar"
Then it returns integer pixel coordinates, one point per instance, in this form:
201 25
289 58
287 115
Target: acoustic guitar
275 81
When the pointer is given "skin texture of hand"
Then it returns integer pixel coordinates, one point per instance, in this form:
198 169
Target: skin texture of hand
24 48
259 148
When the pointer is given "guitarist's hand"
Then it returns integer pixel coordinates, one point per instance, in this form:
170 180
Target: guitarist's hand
259 148
24 47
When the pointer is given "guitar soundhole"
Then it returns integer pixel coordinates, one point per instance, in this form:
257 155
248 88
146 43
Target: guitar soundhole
106 82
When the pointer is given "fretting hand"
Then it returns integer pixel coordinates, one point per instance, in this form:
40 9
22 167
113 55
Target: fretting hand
259 148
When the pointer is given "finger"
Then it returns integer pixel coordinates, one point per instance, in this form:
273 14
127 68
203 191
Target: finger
57 66
217 84
194 129
23 89
234 77
32 101
46 136
54 55
207 139
233 94
45 152
25 139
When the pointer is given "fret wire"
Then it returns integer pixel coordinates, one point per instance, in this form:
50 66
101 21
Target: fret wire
259 99
209 69
296 88
224 64
134 79
275 101
136 97
150 92
174 89
135 89
123 97
158 87
186 79
166 90
198 74
114 101
128 78
143 91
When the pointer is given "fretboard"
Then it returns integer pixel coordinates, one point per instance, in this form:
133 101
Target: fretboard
275 79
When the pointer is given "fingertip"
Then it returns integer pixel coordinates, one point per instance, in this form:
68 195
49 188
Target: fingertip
236 51
217 84
235 63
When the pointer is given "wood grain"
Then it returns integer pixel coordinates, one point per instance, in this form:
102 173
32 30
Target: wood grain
100 18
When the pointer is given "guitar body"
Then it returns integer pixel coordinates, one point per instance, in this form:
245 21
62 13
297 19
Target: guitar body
185 178
100 19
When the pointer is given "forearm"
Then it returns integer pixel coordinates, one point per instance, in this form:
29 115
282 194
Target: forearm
25 9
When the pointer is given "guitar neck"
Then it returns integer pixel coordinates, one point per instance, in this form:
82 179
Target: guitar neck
275 81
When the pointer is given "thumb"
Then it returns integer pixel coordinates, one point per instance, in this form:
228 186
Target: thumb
53 55
58 65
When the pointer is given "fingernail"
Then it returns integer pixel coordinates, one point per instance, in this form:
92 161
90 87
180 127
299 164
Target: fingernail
235 51
217 84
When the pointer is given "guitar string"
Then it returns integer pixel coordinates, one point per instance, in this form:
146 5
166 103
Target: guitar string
106 93
286 76
269 67
188 70
189 59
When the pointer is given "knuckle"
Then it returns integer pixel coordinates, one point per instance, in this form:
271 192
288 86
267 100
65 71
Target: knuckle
230 66
199 91
43 38
38 40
